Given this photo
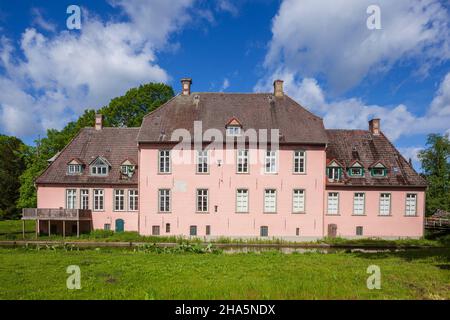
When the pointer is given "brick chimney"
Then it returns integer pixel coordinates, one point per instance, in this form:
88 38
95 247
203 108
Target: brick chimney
186 86
278 88
374 127
98 121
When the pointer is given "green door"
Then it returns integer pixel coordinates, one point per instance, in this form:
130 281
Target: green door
120 225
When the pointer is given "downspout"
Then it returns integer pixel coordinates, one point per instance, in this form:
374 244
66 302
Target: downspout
324 199
139 189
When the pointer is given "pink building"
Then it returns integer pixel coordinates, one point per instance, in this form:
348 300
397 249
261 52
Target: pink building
232 165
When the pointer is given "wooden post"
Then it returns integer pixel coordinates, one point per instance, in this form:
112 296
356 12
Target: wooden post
64 229
23 229
78 228
49 232
37 228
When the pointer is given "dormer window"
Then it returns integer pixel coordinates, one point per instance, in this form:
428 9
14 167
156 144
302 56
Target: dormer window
127 169
233 128
334 171
233 131
378 170
356 170
74 167
100 167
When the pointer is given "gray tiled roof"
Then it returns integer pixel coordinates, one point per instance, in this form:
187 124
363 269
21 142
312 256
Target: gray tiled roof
346 146
253 110
114 144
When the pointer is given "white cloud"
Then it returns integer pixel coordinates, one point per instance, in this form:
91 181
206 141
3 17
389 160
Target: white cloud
61 75
354 113
228 6
331 39
411 153
225 85
40 21
441 103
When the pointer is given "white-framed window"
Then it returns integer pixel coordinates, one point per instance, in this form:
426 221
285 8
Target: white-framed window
119 200
334 173
333 203
164 200
242 161
99 200
202 200
71 198
164 161
133 200
298 200
234 131
299 161
242 200
74 168
270 161
84 199
99 168
270 200
358 203
385 204
202 161
411 204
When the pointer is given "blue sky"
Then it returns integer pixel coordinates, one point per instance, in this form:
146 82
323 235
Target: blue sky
331 62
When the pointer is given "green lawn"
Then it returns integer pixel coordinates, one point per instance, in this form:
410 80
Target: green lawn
127 274
15 226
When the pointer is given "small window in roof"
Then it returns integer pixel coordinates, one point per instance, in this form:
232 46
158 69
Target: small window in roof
378 170
233 127
334 171
234 131
100 167
73 169
356 170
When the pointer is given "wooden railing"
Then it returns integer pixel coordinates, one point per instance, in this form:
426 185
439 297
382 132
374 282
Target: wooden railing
431 222
56 214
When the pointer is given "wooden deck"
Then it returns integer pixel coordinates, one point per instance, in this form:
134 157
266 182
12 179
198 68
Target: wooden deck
437 223
60 215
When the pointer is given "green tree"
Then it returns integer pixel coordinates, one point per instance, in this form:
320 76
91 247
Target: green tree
124 111
436 167
12 165
129 109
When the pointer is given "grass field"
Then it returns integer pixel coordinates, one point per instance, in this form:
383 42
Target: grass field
140 274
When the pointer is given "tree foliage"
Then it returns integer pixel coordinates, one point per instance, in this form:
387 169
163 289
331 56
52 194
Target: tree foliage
124 111
436 167
12 165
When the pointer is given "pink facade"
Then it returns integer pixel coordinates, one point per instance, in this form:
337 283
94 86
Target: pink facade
396 224
56 197
222 183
